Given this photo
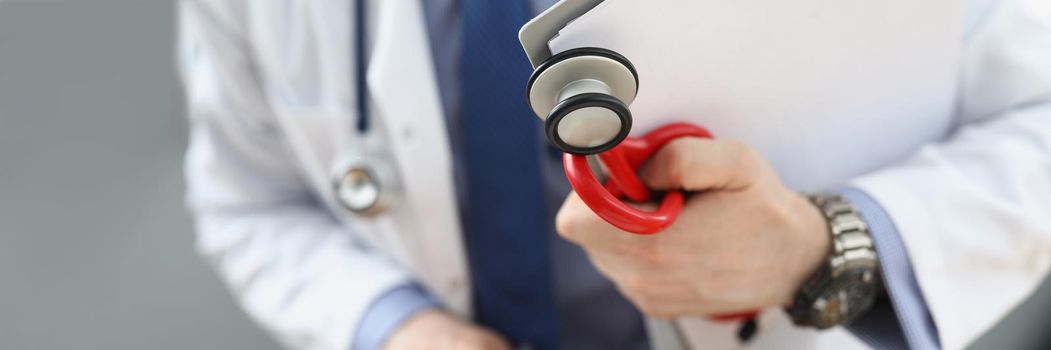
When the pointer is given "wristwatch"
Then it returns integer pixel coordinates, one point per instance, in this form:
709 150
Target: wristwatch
846 286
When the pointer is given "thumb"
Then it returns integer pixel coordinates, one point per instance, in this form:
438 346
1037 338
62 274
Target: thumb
696 164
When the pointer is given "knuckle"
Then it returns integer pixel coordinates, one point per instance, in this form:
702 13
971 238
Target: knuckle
566 222
645 304
737 147
599 262
683 158
744 157
647 309
635 283
661 312
653 307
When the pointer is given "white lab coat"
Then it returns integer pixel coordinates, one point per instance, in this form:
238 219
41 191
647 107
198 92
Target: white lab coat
270 86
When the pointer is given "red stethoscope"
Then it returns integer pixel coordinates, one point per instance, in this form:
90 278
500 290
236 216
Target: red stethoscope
582 95
622 163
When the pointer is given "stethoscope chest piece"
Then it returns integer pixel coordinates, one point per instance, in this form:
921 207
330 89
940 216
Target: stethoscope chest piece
583 96
364 185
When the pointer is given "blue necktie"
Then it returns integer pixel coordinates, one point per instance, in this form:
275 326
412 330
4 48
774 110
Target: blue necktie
506 222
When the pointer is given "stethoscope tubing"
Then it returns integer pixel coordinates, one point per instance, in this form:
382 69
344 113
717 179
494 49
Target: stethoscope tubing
361 63
622 163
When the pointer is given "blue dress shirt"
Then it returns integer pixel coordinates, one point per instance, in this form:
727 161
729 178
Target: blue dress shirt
593 315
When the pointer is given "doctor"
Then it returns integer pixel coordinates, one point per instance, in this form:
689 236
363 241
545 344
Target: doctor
281 92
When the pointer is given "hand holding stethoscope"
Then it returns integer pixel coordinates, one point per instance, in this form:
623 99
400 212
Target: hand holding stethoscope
582 95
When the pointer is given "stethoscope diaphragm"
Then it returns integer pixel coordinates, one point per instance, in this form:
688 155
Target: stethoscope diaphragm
365 185
583 96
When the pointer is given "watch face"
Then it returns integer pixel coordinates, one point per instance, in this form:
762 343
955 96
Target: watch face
851 294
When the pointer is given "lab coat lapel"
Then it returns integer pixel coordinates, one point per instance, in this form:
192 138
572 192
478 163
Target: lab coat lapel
404 90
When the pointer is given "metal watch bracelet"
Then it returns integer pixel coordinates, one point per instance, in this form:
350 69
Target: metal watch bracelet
847 284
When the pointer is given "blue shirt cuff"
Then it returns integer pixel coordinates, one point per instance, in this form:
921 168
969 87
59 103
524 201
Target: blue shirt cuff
388 312
905 314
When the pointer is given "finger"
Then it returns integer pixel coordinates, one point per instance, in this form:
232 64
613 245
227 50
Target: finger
677 305
578 224
640 261
670 310
669 301
634 277
696 164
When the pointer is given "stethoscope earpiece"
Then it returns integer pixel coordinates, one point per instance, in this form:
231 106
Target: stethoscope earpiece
583 96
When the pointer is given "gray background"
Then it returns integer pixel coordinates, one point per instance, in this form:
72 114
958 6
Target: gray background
96 250
95 247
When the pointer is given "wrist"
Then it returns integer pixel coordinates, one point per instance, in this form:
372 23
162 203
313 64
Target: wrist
815 243
846 285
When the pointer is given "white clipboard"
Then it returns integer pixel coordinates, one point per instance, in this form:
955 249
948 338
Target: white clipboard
759 71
